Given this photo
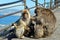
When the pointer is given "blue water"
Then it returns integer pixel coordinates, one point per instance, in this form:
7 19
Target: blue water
8 20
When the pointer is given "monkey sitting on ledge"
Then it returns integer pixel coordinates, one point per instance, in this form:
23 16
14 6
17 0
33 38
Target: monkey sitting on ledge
44 22
22 24
48 20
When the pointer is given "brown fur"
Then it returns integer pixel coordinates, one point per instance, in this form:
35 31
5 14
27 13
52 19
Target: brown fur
48 20
22 25
39 31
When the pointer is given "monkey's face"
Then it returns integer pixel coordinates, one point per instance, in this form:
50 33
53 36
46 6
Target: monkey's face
38 11
26 15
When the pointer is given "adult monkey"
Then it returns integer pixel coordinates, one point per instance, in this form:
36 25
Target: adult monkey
22 24
47 19
36 27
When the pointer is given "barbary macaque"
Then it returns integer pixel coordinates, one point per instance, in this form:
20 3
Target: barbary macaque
47 19
22 24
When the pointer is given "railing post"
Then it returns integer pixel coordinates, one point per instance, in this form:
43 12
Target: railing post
36 3
50 4
44 3
24 4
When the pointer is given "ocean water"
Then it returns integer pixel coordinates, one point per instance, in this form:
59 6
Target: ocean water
6 23
9 20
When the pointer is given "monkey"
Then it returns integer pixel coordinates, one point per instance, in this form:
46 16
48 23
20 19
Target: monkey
47 19
20 29
38 27
33 25
22 24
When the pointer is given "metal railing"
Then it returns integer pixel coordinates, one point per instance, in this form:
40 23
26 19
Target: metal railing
9 3
51 5
24 6
10 7
15 12
36 3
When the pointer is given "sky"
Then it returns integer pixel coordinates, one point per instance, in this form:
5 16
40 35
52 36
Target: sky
7 20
